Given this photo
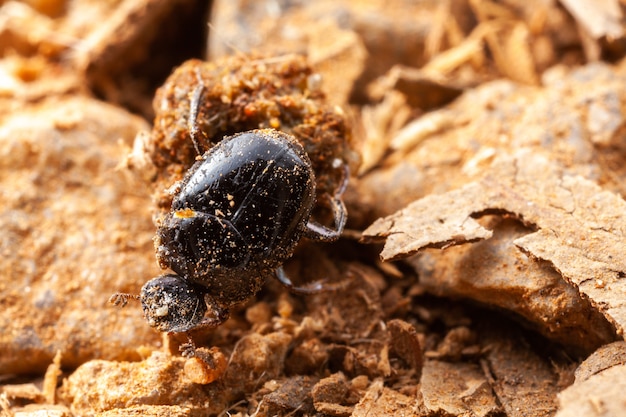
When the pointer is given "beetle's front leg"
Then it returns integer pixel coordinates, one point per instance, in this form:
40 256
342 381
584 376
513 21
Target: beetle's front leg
220 315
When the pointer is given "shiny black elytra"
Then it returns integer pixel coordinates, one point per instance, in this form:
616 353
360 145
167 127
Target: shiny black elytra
239 213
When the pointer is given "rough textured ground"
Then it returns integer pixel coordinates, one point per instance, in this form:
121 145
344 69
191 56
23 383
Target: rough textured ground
481 268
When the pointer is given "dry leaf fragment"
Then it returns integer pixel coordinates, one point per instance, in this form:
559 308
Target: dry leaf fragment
379 123
508 41
496 273
380 401
598 17
423 88
601 395
405 343
458 389
525 383
605 357
581 229
600 385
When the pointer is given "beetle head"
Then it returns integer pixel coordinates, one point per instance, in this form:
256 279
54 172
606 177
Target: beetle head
172 304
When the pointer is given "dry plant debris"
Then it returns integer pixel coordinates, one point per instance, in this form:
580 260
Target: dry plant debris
493 128
575 227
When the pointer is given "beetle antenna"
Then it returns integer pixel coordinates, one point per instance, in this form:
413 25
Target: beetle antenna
121 299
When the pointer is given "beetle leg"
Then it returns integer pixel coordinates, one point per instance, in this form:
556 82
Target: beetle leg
194 109
319 232
220 313
314 287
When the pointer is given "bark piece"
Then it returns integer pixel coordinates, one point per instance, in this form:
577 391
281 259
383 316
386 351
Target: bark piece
329 395
599 386
496 273
580 229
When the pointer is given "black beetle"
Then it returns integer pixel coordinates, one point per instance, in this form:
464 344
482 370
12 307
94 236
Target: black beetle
238 214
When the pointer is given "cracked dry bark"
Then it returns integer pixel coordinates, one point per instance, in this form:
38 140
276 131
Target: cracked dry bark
564 214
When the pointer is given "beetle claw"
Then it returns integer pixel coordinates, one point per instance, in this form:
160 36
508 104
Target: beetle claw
321 233
188 350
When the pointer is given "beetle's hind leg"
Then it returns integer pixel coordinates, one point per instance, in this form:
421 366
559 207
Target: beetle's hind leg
314 287
319 232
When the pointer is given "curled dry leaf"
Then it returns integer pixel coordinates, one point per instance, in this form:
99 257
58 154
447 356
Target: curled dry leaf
607 356
497 273
578 228
600 385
